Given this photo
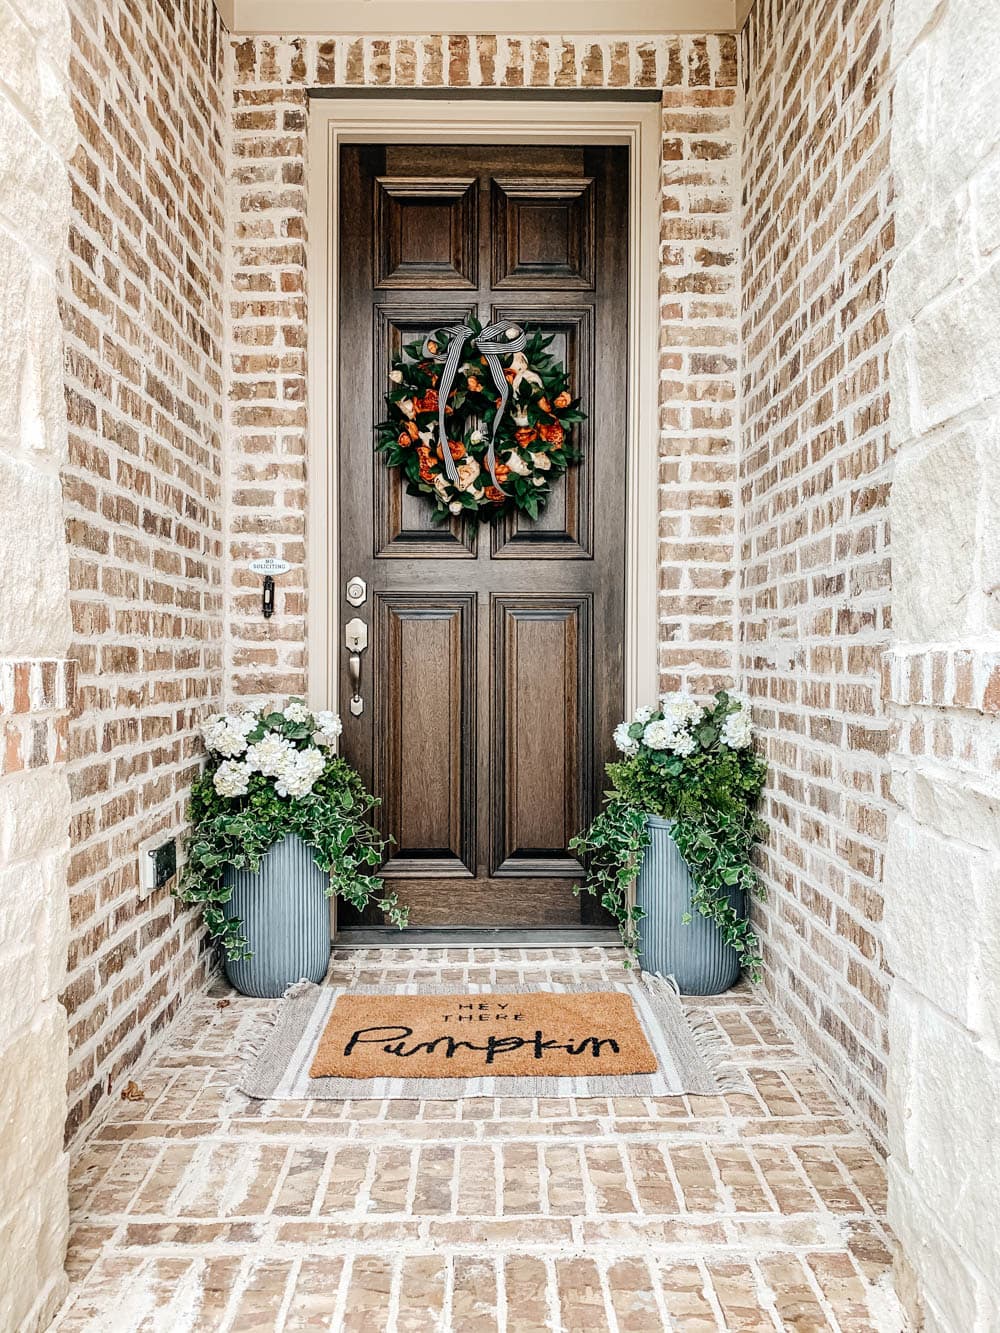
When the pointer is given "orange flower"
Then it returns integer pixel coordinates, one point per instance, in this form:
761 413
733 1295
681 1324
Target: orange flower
525 435
510 374
553 435
494 496
412 431
426 466
404 439
428 403
502 471
432 347
457 449
474 385
544 404
563 399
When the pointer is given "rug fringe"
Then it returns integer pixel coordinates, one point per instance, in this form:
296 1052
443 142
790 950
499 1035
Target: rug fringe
715 1051
299 988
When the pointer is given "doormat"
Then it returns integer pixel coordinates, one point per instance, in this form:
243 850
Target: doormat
472 1036
340 1044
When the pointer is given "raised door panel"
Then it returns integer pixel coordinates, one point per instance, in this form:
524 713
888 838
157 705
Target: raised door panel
542 654
426 232
424 696
565 528
543 232
402 522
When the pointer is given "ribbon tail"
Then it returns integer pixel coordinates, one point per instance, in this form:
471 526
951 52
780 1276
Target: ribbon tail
503 388
444 389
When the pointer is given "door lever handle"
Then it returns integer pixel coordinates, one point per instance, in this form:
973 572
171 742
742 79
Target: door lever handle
356 640
357 703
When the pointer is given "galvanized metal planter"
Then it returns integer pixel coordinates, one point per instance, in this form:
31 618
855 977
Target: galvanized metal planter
286 918
695 955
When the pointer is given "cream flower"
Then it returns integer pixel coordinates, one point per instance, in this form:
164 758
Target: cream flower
442 485
231 779
396 376
737 730
476 437
467 473
624 741
517 464
298 772
296 711
658 735
519 362
405 406
228 735
269 754
542 462
456 506
684 744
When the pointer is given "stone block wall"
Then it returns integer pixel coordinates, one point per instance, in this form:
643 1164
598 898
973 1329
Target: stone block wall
36 682
814 484
942 879
697 81
142 307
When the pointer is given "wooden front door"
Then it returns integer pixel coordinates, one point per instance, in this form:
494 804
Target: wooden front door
493 675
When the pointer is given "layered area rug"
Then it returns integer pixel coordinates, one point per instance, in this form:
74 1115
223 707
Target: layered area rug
630 1039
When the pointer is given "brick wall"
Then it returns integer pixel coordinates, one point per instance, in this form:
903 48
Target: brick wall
143 497
698 293
942 880
36 681
814 480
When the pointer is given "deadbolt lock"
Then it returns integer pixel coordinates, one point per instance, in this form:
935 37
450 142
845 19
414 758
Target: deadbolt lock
357 591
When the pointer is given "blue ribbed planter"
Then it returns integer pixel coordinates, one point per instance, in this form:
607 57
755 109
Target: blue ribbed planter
286 918
695 955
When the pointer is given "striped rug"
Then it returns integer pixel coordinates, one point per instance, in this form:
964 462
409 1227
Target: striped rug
686 1060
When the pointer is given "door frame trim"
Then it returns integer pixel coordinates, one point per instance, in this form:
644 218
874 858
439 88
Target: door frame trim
577 121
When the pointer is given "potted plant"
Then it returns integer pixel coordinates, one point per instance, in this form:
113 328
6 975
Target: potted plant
280 824
679 822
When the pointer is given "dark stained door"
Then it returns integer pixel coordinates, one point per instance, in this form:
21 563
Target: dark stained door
494 671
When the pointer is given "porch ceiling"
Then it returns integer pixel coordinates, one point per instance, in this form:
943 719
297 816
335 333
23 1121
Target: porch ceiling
389 17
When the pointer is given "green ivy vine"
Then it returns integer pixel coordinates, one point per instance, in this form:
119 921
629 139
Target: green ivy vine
711 795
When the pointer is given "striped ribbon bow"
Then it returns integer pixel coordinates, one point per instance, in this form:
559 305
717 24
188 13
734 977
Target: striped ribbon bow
493 342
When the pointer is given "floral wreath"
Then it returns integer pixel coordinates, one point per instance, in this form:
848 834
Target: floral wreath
457 385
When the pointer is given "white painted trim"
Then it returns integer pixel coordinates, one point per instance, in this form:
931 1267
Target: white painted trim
389 18
227 12
635 124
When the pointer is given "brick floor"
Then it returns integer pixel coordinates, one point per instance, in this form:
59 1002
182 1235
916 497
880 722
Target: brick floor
200 1209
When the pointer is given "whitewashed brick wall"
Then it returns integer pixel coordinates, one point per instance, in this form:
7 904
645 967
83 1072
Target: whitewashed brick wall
942 880
142 307
36 137
814 541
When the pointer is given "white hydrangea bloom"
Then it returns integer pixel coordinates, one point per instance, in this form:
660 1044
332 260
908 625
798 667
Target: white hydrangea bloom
737 730
624 741
681 708
684 744
642 713
296 711
658 735
744 700
328 726
269 754
231 778
299 772
226 735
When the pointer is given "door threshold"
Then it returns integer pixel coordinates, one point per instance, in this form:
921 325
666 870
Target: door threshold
477 937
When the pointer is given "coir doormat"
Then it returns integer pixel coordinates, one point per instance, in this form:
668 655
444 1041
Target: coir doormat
627 1039
473 1036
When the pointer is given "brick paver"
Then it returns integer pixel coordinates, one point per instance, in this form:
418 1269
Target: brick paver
198 1209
